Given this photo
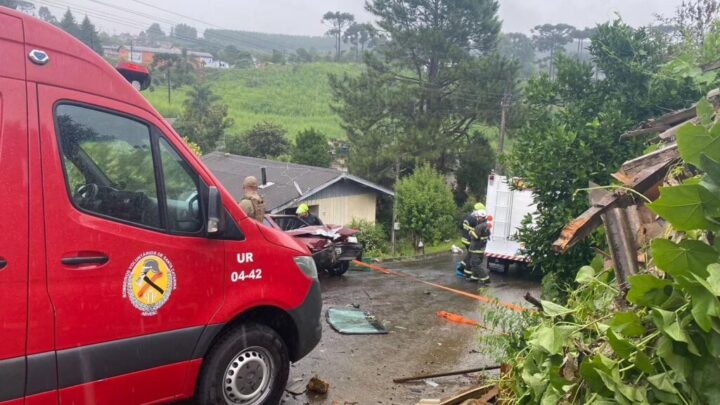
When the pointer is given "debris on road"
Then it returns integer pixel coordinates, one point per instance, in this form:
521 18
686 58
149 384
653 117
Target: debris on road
318 386
457 318
354 322
432 383
297 387
445 374
473 396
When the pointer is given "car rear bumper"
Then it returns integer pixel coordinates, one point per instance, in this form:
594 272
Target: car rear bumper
349 251
307 320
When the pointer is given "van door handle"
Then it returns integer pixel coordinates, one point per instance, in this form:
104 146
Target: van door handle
80 260
3 263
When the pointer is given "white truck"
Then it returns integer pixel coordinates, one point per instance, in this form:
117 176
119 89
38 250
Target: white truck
507 204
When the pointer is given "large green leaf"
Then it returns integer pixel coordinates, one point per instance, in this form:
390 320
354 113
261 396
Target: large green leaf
687 206
648 290
627 323
694 139
679 260
664 382
591 369
705 112
704 306
643 362
552 309
621 346
551 338
714 278
711 168
585 275
667 321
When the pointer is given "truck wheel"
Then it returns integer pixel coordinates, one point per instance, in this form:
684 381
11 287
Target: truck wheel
340 269
249 365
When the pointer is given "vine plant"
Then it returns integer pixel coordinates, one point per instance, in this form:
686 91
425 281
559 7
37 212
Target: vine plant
666 347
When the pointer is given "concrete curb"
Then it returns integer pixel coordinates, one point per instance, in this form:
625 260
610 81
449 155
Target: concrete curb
402 259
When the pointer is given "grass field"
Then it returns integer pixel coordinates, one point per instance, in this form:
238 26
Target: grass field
294 96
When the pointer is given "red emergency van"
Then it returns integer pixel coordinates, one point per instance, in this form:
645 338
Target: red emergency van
127 272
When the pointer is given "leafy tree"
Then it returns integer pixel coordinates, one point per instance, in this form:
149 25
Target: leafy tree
359 35
425 206
693 20
46 15
154 34
265 140
434 78
305 56
311 148
278 57
69 25
89 35
176 70
476 161
518 47
573 129
338 23
204 119
236 57
550 38
185 32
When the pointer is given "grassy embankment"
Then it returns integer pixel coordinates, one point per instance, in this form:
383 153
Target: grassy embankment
294 96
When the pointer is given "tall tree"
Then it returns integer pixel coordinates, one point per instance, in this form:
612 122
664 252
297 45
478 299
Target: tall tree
518 47
338 23
434 78
47 16
550 38
155 34
89 35
204 119
359 35
69 25
185 32
265 140
311 148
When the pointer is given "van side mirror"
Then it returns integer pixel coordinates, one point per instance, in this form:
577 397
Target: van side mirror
216 213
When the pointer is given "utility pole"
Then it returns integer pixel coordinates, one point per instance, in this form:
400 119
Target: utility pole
167 72
394 213
504 105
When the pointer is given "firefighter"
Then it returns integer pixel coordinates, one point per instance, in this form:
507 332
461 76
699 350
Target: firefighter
468 224
478 240
252 202
303 212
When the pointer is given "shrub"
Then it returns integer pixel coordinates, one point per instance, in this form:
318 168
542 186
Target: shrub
371 235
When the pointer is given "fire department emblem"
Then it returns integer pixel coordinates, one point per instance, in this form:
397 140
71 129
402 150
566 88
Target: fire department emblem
149 282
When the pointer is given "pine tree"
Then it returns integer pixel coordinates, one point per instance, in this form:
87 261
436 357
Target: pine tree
69 25
89 36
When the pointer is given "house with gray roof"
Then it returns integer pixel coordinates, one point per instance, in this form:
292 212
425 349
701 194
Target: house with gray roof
336 197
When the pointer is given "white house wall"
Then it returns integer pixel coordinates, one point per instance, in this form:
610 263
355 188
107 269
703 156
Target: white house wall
342 202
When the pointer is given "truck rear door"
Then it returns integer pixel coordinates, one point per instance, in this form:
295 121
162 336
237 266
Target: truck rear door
132 278
14 236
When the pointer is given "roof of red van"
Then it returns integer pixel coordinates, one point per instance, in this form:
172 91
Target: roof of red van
72 64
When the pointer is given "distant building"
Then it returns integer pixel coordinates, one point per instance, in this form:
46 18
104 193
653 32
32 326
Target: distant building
334 196
146 55
111 51
218 64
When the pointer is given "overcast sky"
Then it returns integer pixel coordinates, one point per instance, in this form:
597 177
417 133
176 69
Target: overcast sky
304 16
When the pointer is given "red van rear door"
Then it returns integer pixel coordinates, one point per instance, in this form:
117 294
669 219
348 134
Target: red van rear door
14 208
132 279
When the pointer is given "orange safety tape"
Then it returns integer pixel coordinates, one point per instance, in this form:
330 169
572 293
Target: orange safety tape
481 298
457 318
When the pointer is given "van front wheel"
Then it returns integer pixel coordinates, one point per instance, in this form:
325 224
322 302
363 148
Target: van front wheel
249 365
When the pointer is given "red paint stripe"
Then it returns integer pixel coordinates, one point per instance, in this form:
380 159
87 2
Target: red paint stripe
481 298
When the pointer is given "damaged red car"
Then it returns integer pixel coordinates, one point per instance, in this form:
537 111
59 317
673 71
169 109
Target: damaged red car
333 247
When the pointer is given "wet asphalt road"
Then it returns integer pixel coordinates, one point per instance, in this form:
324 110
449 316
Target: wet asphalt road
360 369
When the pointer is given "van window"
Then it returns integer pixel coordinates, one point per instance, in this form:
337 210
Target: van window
109 165
181 191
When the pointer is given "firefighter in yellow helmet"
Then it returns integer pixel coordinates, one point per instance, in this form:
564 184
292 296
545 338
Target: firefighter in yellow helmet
468 224
303 212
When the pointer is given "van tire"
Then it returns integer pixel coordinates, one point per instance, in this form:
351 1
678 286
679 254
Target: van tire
262 350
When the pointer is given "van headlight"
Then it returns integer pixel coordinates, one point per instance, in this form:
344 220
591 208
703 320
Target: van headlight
352 239
306 264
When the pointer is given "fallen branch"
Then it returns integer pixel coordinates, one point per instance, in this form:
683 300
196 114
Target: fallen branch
449 373
536 302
